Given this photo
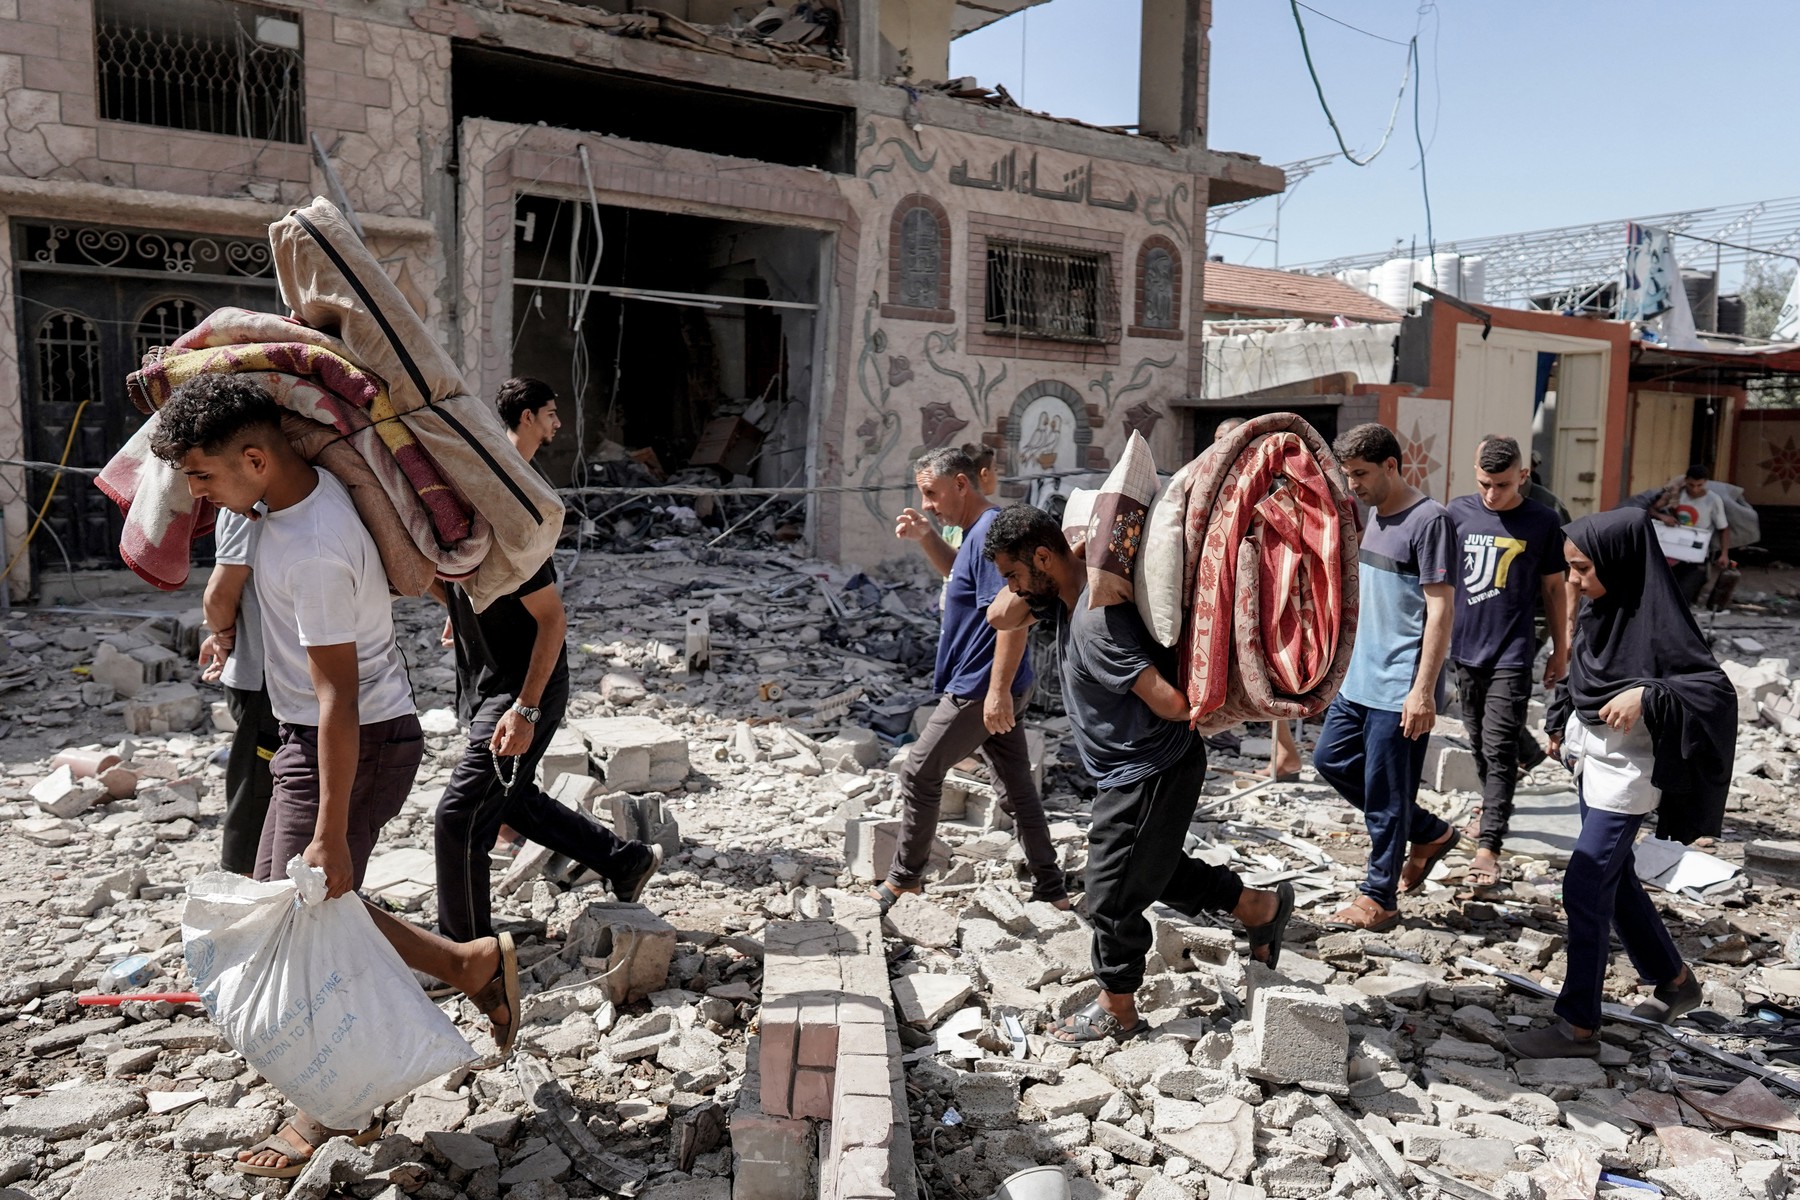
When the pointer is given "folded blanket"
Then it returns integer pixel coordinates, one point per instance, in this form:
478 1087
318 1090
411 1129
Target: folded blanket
161 518
341 394
1271 572
332 283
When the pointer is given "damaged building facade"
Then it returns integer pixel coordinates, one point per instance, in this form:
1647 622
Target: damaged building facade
674 217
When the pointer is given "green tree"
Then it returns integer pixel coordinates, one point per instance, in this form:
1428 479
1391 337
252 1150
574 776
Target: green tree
1765 290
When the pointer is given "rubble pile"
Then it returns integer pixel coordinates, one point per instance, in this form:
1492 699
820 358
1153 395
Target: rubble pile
745 711
807 34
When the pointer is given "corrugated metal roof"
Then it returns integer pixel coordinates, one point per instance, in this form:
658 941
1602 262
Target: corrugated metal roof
1258 291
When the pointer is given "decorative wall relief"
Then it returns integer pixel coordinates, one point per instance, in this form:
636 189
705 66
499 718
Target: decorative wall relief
899 370
872 148
978 389
1142 376
1076 185
1170 212
939 425
1142 417
880 433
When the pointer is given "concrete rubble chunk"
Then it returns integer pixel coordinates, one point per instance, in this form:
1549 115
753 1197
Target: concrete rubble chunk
164 708
922 1000
140 1175
1220 1137
635 753
546 1164
1081 1090
636 945
1298 1037
1560 1078
206 1128
57 1115
919 921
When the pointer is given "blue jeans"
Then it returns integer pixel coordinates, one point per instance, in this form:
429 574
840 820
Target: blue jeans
1362 753
1601 893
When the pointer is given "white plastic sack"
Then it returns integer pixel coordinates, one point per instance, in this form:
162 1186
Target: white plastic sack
312 995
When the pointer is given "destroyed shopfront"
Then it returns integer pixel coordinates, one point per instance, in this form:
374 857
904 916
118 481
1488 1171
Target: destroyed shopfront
672 219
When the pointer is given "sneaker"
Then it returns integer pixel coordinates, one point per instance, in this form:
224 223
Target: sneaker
1671 1000
1554 1041
628 888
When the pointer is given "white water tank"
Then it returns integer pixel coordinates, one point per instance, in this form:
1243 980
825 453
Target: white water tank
1358 278
1393 283
1443 271
1474 279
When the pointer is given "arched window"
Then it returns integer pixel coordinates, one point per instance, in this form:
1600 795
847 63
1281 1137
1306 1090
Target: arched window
919 262
162 321
1158 289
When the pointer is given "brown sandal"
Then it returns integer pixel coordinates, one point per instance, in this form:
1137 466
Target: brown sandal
502 989
1423 858
312 1135
1364 914
1480 878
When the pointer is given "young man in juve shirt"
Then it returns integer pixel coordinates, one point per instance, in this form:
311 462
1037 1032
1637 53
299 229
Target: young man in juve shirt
1133 730
1512 558
350 740
1372 747
512 687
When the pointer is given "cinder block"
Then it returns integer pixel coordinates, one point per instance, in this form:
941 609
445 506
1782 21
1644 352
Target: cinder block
1299 1037
641 818
164 708
636 753
636 944
869 848
773 1157
567 755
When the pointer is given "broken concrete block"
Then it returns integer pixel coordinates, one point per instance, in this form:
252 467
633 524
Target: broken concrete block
1560 1078
464 1151
643 818
164 708
567 755
922 1000
159 804
129 672
1081 1089
917 920
1780 859
636 754
57 1115
62 795
206 1128
853 750
869 848
1299 1037
620 688
137 1175
1221 1137
1449 767
1753 685
636 945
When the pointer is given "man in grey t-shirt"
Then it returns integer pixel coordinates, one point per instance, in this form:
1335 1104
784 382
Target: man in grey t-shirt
232 656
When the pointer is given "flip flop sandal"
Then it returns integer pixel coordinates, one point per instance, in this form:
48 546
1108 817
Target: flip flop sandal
1270 935
310 1132
887 895
1480 879
1095 1024
1431 860
503 988
1363 914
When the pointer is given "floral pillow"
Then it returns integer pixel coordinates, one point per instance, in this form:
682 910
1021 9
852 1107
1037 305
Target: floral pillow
1116 530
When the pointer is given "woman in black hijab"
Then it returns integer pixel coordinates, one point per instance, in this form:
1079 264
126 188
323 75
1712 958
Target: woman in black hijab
1648 722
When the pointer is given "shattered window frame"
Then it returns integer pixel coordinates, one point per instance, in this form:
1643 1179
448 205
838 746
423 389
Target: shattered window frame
1050 293
202 66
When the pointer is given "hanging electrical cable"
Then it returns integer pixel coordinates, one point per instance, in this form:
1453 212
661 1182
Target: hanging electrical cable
1412 55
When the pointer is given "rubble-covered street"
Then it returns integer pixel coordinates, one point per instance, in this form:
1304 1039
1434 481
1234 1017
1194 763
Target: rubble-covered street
1370 1063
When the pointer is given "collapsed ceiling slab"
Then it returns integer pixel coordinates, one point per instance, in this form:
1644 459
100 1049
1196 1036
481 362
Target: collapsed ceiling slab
979 14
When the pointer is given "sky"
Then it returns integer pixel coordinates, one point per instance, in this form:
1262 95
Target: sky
1535 113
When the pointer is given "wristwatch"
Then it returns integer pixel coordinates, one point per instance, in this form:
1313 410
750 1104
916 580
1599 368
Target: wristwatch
530 714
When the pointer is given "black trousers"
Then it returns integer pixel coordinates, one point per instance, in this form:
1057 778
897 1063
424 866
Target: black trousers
1136 858
476 804
248 784
1494 703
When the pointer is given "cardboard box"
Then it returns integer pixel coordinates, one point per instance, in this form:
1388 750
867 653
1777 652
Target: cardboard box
1683 543
729 443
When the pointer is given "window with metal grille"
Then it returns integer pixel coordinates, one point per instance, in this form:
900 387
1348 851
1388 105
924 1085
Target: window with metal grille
211 66
1045 292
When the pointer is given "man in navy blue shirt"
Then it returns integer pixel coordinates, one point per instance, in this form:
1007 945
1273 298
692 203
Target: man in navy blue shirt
985 679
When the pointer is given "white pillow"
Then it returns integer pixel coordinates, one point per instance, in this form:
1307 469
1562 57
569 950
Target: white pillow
1161 567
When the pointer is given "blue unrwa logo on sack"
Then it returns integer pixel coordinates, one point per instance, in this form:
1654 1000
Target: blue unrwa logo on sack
200 954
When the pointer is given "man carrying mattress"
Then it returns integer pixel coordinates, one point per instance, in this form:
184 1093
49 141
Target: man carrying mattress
350 739
1131 726
1372 748
512 687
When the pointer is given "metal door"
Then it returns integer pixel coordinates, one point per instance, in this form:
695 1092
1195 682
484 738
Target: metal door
92 301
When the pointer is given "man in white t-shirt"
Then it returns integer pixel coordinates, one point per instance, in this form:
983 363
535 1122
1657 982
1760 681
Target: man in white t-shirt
1699 507
350 740
232 656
